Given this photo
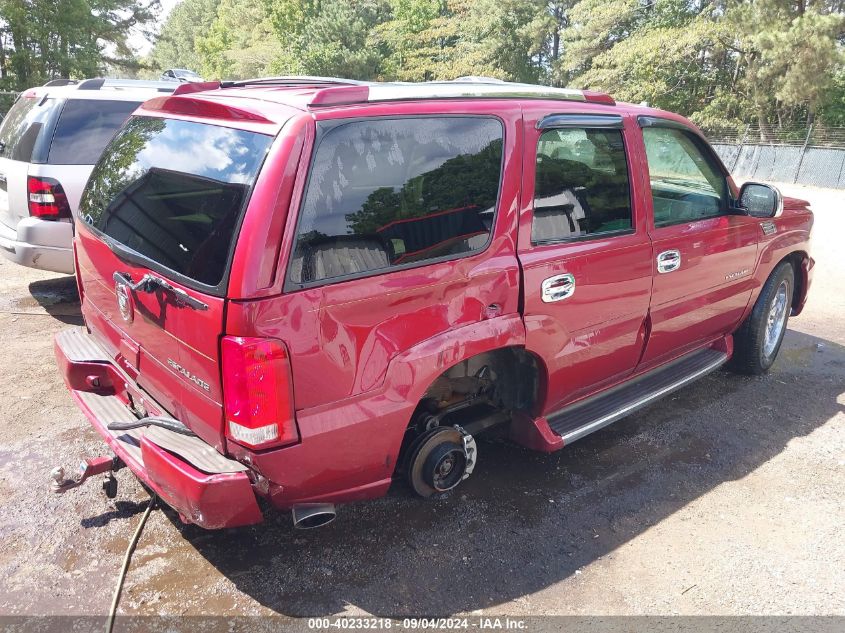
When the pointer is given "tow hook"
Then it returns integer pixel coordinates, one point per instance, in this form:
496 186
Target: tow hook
87 469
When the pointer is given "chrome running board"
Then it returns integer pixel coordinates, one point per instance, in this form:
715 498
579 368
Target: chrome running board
582 418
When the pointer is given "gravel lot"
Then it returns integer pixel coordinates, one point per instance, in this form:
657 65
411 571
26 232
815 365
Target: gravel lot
726 499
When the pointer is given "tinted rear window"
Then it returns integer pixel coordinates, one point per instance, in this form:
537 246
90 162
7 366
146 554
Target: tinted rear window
391 192
173 191
21 129
581 185
85 127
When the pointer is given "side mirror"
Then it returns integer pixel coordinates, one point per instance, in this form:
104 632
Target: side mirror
760 201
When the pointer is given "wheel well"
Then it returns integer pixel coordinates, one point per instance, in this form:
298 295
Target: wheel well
796 259
514 375
478 393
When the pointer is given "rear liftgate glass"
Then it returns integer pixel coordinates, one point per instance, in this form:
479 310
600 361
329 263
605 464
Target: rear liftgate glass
168 196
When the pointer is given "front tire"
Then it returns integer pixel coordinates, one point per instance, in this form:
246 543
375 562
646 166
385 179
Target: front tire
758 340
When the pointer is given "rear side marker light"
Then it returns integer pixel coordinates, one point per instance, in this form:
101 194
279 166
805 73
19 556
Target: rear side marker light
47 199
257 392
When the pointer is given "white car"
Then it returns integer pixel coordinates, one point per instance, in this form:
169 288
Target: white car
49 142
182 75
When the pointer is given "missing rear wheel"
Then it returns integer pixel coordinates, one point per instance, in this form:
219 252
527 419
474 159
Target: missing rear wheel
439 460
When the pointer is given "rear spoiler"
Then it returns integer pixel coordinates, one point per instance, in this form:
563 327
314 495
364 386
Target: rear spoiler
178 104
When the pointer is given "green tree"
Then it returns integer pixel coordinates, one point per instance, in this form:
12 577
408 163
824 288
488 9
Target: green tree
399 37
45 39
790 53
176 46
240 43
328 37
722 62
832 106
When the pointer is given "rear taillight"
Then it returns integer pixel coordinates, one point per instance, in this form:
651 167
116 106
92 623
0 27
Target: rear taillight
257 392
47 199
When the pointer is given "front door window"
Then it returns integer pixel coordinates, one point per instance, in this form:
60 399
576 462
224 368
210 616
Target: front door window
686 184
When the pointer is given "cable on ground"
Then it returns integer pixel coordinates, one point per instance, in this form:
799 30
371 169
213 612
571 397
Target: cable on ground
126 559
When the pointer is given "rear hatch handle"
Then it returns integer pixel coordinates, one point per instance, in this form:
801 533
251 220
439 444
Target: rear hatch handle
149 283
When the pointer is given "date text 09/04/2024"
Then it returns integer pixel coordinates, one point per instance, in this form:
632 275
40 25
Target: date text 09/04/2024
374 623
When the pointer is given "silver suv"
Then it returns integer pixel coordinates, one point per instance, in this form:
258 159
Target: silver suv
49 142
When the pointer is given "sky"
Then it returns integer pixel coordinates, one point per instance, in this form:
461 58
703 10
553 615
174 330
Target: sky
139 42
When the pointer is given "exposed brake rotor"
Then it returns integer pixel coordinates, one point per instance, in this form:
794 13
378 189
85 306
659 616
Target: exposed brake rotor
440 459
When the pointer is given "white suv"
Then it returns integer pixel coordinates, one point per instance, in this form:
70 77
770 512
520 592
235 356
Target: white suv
49 142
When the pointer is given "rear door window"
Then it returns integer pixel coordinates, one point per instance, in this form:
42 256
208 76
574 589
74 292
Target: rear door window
21 131
385 193
581 185
85 127
172 192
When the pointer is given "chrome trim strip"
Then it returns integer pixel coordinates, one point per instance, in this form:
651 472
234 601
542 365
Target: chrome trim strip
619 413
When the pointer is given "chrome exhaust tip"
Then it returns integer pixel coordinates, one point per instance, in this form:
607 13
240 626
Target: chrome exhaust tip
312 515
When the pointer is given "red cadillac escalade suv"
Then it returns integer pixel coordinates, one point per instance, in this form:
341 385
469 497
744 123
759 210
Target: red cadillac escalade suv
297 290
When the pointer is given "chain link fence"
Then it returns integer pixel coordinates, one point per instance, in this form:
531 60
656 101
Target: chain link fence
808 156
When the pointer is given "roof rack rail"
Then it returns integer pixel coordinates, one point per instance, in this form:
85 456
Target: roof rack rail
460 89
61 82
101 82
478 79
292 80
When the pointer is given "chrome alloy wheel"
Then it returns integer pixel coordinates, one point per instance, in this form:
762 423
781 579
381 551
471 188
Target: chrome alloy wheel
776 320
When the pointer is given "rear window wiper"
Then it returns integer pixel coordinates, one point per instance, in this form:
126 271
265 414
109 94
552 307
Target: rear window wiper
149 283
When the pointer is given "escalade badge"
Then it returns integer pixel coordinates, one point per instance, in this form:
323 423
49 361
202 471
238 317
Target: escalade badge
124 302
736 274
194 379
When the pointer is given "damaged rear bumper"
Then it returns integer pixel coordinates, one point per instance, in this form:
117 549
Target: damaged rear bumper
205 487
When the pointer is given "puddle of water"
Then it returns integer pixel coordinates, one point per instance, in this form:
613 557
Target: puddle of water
57 297
797 355
55 304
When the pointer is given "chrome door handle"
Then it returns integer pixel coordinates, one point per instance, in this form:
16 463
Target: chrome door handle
668 261
558 287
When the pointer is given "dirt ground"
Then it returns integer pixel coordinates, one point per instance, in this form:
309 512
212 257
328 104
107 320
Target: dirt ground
724 499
